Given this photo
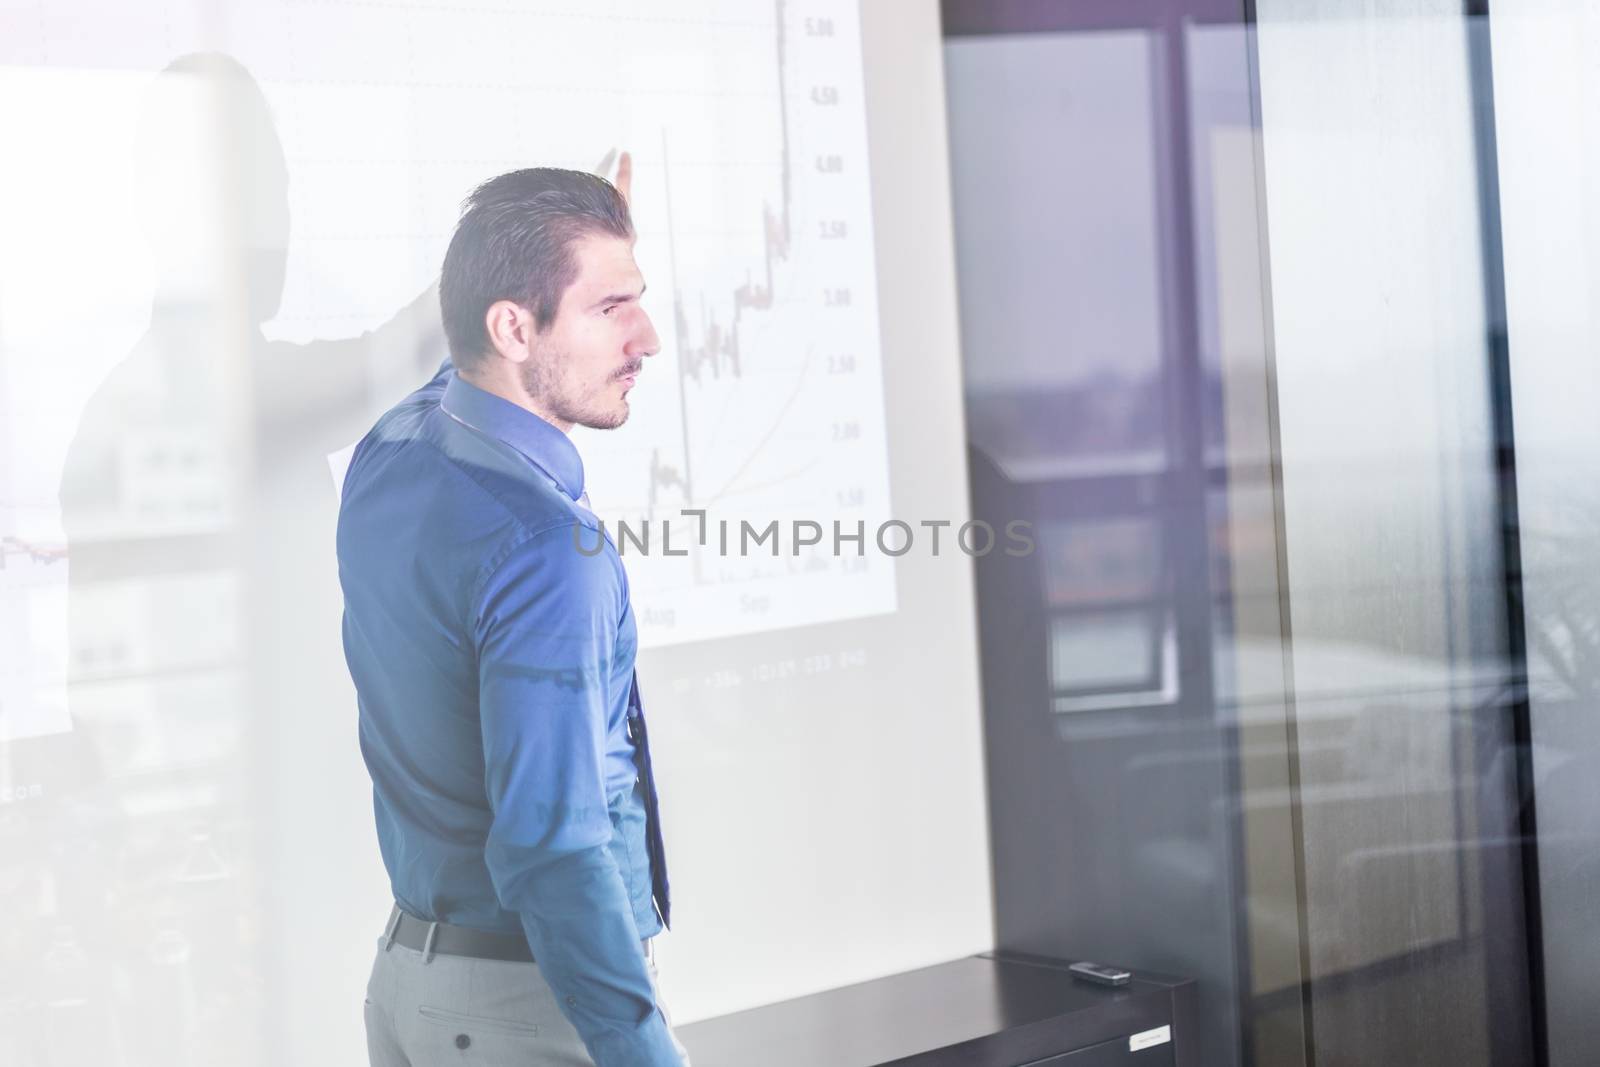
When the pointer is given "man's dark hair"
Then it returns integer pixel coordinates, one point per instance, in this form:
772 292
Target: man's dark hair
514 242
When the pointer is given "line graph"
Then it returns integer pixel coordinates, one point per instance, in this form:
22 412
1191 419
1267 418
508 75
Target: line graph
775 375
719 343
752 202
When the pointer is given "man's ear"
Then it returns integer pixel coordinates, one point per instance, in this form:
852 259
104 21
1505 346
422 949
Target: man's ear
511 329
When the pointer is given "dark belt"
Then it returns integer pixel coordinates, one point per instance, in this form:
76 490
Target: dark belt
448 939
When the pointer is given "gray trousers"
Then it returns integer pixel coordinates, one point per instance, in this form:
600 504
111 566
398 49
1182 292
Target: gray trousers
451 1009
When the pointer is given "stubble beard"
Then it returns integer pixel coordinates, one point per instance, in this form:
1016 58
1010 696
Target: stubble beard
542 378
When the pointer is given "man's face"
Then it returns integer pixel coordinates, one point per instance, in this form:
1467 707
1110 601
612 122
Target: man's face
582 367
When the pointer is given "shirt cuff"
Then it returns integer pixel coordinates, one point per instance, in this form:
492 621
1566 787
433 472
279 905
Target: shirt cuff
649 1045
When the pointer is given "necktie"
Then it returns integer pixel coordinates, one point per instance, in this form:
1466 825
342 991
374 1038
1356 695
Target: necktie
641 759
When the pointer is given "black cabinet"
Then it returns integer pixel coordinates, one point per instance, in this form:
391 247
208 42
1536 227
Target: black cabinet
989 1010
1110 1054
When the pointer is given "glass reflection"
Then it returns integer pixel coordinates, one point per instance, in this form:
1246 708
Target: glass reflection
201 620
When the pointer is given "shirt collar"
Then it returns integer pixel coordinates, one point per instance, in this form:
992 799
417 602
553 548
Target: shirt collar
545 446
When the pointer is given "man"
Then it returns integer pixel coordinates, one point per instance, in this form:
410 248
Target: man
493 660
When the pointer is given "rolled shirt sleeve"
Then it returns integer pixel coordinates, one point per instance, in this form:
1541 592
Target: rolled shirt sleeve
546 631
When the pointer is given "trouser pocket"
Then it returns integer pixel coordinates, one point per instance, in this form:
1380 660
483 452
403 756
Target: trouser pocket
447 1018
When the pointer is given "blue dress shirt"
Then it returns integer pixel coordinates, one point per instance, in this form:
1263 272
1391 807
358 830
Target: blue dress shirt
492 649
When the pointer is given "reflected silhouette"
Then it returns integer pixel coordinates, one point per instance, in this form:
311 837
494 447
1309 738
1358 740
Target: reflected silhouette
206 759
